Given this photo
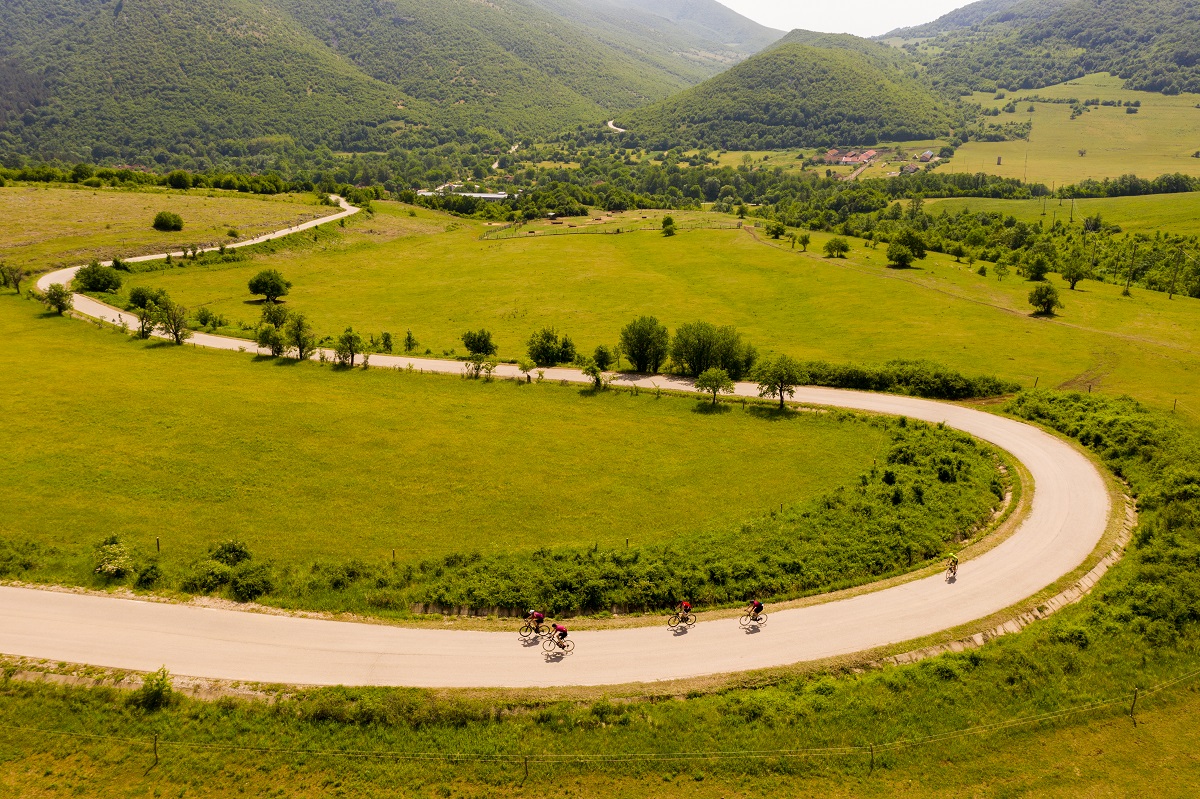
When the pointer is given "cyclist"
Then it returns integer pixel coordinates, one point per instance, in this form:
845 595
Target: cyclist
952 565
535 618
560 633
684 607
754 609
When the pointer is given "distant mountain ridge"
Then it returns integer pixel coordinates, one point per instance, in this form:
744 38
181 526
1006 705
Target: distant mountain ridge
1153 44
123 79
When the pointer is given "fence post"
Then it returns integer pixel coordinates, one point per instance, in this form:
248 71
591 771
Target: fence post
872 759
1133 707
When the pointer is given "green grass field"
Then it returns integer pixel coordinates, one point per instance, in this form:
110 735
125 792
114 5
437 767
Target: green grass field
109 435
1159 139
43 227
1170 213
440 280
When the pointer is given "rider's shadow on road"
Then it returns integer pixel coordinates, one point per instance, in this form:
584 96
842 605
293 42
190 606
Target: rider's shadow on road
952 579
679 631
753 629
556 657
531 641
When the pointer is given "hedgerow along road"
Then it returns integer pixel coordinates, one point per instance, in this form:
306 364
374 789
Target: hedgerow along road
1067 519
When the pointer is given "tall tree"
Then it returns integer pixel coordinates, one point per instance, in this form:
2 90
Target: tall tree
779 378
646 343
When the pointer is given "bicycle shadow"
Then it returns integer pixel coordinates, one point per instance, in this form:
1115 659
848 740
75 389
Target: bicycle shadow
531 641
557 656
753 629
680 630
952 579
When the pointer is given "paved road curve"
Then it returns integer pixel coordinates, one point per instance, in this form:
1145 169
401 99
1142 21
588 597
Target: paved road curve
1068 517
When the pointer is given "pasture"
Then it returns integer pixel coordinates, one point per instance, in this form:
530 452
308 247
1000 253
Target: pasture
46 227
1170 213
443 280
1160 139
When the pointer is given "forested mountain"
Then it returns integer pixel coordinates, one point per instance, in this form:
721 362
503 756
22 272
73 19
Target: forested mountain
846 91
957 19
131 79
1153 44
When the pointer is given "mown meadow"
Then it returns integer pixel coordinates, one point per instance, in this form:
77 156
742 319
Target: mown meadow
443 280
1159 139
43 227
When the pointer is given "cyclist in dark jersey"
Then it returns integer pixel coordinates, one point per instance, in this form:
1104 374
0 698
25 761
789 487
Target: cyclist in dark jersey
560 633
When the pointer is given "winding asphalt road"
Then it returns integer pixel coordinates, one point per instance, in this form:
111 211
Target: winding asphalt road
1067 519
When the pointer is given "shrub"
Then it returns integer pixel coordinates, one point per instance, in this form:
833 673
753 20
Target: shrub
603 357
167 221
112 560
98 278
143 297
271 339
837 247
547 348
207 576
479 342
1044 299
148 576
250 581
59 298
231 552
699 346
899 255
156 691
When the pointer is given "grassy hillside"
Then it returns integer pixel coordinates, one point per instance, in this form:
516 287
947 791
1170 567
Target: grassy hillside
1151 44
131 80
795 95
959 18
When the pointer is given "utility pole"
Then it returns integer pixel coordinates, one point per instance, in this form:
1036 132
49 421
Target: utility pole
1175 275
1129 277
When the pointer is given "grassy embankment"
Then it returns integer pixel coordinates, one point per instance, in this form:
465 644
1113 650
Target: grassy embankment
43 227
440 280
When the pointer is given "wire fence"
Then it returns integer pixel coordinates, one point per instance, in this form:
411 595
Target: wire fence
585 758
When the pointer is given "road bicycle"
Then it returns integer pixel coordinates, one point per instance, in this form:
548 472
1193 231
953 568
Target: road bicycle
531 631
551 644
952 570
679 617
748 619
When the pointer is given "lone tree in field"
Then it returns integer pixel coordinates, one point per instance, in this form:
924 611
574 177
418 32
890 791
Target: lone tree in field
837 247
479 342
172 319
168 222
804 239
59 298
98 278
646 344
1044 299
349 344
299 336
776 230
410 342
779 378
1074 270
270 284
899 255
715 381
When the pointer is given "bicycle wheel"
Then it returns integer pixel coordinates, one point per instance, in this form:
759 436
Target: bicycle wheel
762 619
673 621
568 646
691 619
745 620
526 631
548 645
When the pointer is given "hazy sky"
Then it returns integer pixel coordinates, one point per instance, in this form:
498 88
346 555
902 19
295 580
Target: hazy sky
861 17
